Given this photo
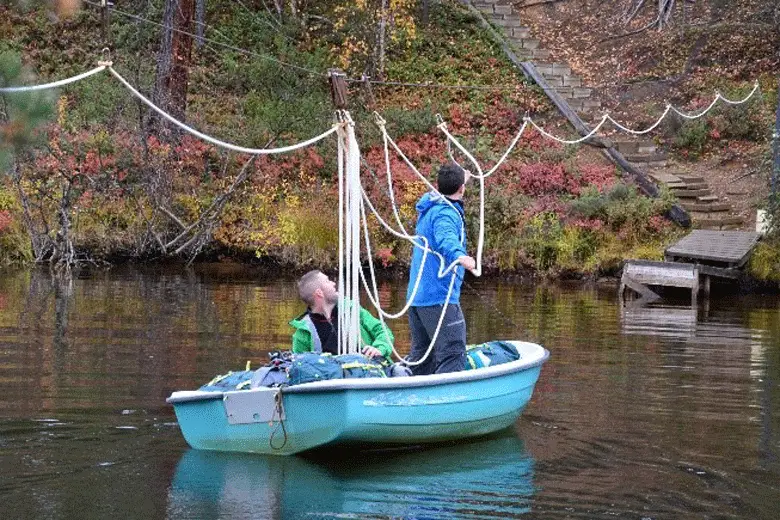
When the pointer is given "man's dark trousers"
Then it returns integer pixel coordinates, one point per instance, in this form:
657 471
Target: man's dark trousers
449 352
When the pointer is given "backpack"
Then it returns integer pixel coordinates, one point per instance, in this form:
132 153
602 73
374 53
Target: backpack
359 366
490 353
274 374
227 382
310 366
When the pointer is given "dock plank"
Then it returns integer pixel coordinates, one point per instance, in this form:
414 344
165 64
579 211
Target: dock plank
728 247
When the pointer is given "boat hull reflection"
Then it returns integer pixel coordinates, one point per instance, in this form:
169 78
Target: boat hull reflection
480 479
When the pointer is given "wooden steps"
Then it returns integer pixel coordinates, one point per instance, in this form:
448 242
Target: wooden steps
559 76
705 208
693 192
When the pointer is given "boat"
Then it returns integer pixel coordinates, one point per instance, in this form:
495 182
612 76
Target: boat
374 411
291 419
485 478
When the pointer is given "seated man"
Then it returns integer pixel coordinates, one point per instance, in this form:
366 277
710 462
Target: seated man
316 330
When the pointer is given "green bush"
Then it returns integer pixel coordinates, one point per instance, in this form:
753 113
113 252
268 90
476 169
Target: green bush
764 263
692 137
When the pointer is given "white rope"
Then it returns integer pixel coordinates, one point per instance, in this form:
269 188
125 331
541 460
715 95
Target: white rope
503 157
640 132
349 238
700 114
607 117
412 239
212 140
481 178
442 271
548 135
740 101
373 296
340 319
355 202
508 150
381 123
54 84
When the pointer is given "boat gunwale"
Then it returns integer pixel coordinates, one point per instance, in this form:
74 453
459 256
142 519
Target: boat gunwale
335 385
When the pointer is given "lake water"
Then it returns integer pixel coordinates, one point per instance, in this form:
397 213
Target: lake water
639 413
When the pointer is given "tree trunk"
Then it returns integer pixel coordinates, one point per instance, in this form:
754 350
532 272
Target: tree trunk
173 62
200 22
381 37
426 8
776 162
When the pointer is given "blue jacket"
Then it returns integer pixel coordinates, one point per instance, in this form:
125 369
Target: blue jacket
445 230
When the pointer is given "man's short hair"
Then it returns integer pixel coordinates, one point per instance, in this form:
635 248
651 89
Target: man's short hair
308 284
451 177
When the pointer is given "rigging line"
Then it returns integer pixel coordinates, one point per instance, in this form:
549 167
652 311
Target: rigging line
214 42
481 178
512 144
569 141
53 84
212 140
442 272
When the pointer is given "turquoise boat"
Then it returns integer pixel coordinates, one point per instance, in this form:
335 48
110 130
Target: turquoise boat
374 411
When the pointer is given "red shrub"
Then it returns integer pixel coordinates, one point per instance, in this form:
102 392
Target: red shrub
6 219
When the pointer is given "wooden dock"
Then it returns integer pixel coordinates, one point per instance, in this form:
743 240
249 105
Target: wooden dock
726 249
690 263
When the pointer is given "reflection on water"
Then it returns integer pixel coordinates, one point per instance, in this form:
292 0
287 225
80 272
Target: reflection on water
660 412
481 479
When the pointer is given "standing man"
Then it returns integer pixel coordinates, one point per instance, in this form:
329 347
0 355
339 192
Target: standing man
440 219
316 330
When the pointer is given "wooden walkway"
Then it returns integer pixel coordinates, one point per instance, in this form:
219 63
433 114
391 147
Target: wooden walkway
702 253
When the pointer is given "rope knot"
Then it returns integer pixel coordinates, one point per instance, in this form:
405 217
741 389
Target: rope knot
379 119
440 121
106 55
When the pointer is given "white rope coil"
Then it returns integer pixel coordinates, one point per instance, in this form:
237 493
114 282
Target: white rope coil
54 84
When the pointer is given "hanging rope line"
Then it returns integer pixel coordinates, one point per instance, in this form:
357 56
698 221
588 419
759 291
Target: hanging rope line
567 141
350 202
606 117
479 175
213 140
54 84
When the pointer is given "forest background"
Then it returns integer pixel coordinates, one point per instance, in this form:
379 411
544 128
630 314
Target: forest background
93 177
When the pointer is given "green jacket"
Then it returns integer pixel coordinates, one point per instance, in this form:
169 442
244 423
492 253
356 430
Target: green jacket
371 333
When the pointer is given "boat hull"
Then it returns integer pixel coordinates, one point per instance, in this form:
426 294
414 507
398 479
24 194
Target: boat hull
407 410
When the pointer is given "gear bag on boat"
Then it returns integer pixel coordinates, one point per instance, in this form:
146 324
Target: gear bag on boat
358 365
228 382
310 366
490 353
274 374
